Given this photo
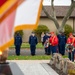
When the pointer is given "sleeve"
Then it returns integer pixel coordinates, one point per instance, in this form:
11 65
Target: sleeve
65 39
68 40
36 40
44 39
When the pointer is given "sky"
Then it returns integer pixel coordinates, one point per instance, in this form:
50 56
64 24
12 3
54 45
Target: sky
58 2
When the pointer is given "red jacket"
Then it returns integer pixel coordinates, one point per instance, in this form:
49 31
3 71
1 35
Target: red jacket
54 40
74 42
69 40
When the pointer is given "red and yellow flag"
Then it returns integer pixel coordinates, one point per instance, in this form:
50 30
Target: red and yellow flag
17 15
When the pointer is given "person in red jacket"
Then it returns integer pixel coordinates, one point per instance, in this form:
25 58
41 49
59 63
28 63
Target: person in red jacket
53 43
74 45
70 47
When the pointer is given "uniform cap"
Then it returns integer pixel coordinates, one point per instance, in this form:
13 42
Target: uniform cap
51 32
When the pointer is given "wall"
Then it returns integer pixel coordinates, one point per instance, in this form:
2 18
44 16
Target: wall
49 24
26 35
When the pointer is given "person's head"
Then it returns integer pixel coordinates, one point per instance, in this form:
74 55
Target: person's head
59 32
52 34
62 33
47 33
42 32
70 35
33 34
18 34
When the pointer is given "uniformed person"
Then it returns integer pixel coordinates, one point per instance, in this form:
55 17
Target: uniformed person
44 40
49 47
33 42
17 43
54 43
62 43
70 47
59 35
73 57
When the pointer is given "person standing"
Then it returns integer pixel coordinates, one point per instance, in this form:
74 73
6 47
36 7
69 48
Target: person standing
33 42
42 35
62 43
17 43
59 35
54 43
49 46
46 45
69 47
73 46
44 40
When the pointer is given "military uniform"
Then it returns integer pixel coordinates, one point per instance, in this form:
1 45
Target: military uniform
54 43
62 43
33 42
70 47
17 43
46 37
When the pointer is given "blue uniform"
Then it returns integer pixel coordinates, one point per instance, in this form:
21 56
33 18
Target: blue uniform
47 50
33 42
61 44
45 38
17 43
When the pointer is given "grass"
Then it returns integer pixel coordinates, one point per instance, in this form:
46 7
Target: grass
37 57
41 57
26 45
65 56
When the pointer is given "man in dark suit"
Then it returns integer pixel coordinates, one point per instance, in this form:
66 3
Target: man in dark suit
17 43
33 42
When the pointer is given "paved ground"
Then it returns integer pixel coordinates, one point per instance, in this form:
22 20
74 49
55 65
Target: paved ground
27 52
38 67
33 67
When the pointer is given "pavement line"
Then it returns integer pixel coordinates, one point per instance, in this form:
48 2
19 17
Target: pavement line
49 69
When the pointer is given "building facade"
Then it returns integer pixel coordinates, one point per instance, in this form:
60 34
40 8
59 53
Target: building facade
44 20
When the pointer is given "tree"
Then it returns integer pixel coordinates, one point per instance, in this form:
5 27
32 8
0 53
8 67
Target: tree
20 31
53 15
39 30
67 29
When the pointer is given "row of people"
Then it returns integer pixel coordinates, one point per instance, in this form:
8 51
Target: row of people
32 41
59 43
52 44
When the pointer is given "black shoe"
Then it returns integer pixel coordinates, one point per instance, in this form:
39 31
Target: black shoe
33 54
18 54
48 54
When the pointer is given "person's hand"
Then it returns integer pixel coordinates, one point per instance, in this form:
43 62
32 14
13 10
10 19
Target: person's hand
50 43
72 44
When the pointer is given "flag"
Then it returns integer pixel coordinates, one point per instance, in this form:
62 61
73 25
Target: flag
17 15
